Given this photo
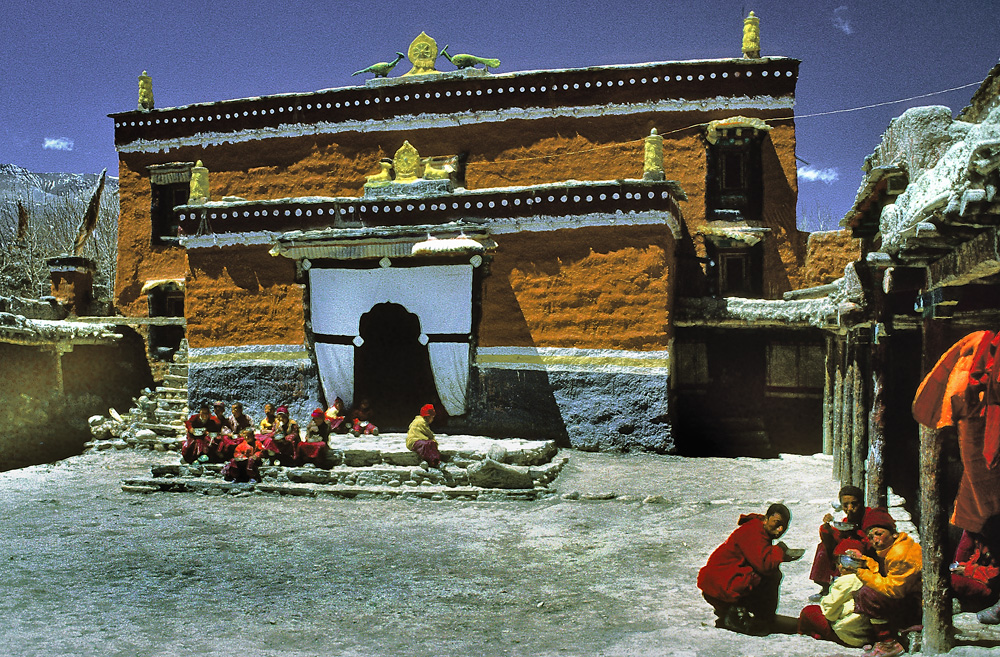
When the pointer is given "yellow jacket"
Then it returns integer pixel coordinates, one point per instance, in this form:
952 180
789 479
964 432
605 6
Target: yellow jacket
419 430
903 561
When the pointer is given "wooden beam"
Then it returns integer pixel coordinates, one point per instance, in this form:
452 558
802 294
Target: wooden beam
877 492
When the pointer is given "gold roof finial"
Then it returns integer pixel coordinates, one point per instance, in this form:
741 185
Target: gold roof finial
751 37
145 92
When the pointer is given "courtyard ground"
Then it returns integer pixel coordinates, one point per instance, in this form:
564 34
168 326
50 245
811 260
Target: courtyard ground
86 569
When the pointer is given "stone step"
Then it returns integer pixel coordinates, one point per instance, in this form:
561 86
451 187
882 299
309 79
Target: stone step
172 418
171 404
165 429
175 381
434 493
178 369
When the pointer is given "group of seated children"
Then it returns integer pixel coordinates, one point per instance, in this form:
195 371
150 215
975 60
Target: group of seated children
869 572
215 438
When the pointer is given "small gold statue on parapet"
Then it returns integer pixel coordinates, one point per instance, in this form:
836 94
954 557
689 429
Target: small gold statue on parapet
385 175
440 167
422 53
751 37
145 92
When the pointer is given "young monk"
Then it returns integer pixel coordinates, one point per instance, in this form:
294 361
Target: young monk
200 430
245 464
891 593
834 618
362 420
742 575
313 447
228 439
825 563
337 417
420 438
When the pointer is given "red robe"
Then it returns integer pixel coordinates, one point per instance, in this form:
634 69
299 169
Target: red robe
740 563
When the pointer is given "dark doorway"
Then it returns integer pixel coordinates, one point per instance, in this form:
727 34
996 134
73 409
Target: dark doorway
392 369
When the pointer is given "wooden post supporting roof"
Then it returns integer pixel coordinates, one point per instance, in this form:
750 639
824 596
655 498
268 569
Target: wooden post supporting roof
859 420
876 491
829 394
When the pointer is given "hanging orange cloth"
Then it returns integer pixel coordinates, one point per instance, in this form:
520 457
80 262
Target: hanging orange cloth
963 390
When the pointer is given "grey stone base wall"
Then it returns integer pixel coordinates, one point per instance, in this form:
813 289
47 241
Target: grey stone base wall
585 410
255 383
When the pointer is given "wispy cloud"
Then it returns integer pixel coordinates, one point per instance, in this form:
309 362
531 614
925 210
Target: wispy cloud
58 144
840 20
810 174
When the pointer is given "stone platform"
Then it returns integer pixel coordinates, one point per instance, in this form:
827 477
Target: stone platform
382 467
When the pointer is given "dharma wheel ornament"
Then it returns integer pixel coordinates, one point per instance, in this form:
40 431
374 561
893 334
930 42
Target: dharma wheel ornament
422 53
145 92
751 37
407 163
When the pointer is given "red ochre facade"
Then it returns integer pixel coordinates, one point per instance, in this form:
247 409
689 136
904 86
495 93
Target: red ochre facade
599 286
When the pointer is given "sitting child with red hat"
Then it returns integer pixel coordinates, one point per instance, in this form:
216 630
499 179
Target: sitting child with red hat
313 447
420 438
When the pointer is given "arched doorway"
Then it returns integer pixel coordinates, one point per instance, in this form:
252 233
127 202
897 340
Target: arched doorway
391 368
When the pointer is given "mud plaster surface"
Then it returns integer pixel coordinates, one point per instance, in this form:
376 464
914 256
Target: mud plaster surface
88 570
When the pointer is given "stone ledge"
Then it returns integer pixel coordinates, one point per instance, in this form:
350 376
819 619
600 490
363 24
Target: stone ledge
206 486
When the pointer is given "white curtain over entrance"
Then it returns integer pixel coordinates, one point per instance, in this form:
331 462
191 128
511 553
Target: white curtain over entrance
336 371
450 364
440 296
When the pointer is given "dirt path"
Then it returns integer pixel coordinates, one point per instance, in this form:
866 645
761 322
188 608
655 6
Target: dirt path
89 570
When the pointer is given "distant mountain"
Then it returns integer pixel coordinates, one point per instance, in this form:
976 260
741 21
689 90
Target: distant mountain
20 184
54 204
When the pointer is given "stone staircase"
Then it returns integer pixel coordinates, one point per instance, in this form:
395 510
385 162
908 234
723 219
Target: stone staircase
157 420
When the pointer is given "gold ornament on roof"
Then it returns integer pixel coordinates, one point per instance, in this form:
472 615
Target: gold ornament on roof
145 92
199 185
423 52
652 160
385 175
751 37
407 163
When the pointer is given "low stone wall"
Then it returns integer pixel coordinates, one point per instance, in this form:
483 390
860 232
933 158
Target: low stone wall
476 468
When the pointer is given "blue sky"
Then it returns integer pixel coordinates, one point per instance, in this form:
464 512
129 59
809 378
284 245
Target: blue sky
64 67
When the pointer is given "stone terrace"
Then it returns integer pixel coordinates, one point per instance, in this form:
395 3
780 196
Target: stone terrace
477 468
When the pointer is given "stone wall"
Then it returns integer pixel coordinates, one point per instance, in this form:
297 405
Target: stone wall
43 423
827 253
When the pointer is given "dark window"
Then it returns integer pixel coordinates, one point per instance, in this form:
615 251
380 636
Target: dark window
733 178
165 198
737 272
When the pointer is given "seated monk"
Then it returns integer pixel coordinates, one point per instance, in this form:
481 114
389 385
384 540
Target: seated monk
975 574
337 418
824 566
420 438
742 576
244 467
238 421
268 447
202 429
223 446
267 424
285 436
891 593
361 419
314 446
834 618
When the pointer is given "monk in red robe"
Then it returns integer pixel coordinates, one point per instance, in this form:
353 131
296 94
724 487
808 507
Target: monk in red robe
742 576
202 429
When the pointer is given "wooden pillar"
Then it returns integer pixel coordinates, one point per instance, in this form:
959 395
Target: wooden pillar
859 421
837 429
829 394
847 413
933 539
933 520
876 491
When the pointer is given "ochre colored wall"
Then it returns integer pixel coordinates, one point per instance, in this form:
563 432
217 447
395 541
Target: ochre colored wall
600 288
242 295
827 254
514 152
138 259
